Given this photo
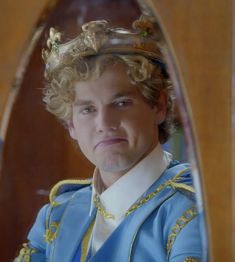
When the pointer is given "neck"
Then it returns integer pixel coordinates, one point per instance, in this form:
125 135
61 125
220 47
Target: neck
109 178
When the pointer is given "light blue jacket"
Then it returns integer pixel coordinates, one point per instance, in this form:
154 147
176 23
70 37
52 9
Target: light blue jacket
164 225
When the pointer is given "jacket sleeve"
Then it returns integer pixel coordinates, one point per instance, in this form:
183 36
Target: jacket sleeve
187 246
35 249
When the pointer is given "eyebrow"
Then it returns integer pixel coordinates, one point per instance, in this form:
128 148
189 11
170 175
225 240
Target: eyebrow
83 102
123 94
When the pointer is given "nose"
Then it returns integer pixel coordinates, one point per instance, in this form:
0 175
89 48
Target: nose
106 120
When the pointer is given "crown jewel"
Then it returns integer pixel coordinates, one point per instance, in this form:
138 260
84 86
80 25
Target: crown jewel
98 38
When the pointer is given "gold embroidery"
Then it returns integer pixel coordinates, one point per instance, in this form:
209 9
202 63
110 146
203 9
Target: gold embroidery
101 209
191 259
85 242
25 253
56 187
179 225
51 232
172 183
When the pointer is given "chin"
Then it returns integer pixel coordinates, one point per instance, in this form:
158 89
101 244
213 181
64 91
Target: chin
116 166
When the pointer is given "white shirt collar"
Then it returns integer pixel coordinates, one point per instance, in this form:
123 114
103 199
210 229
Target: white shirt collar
118 198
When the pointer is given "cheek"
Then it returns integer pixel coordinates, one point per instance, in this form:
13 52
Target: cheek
148 130
140 131
84 137
143 123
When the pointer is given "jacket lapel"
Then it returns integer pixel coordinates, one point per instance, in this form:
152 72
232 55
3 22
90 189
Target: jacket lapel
74 223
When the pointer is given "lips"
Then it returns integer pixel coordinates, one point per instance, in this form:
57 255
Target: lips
110 141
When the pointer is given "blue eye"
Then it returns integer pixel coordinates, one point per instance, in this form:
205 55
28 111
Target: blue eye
123 103
87 110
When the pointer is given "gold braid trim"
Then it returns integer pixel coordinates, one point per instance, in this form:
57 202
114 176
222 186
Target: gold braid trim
85 242
191 259
58 185
179 225
101 208
172 183
25 253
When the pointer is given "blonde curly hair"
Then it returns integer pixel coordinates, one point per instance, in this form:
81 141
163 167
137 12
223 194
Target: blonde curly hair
150 78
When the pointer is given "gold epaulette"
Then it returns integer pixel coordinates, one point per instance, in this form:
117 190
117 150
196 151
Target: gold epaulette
174 183
58 186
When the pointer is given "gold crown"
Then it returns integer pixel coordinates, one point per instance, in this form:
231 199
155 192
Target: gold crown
98 38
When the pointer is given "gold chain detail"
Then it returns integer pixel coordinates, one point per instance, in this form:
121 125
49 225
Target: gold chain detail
179 225
147 198
101 209
172 183
56 187
25 253
51 232
191 259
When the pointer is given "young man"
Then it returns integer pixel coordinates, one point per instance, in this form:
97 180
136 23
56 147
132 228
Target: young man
111 89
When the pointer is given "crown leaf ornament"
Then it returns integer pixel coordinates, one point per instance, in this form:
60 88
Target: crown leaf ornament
98 38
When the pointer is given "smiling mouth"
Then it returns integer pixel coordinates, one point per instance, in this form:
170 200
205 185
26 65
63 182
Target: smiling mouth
109 142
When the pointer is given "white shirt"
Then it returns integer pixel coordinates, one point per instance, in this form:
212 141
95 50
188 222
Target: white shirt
122 194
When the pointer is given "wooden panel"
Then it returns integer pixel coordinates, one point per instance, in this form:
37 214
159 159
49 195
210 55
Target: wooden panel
20 18
199 36
233 129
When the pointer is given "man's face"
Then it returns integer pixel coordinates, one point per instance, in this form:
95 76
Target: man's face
112 123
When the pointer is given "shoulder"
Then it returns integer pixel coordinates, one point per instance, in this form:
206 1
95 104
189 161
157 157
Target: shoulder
177 168
182 200
62 191
179 178
49 217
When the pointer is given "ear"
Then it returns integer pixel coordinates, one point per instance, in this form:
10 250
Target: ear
72 130
161 108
